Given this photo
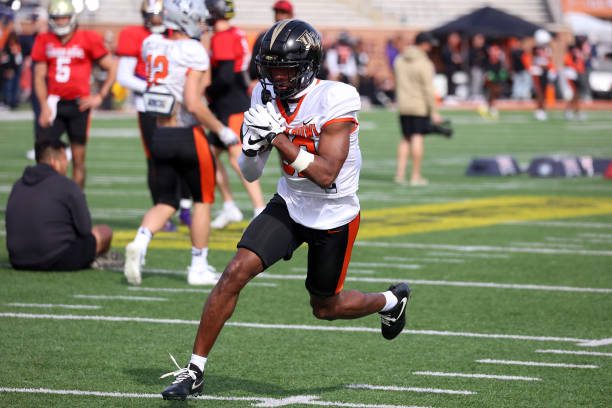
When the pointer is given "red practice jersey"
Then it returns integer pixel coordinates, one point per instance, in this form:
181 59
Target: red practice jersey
230 45
69 65
130 45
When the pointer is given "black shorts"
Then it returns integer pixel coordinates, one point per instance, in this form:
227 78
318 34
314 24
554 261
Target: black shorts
79 255
147 123
273 235
414 125
234 122
70 120
182 153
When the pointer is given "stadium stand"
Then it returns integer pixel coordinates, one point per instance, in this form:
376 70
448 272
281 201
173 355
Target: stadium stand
416 14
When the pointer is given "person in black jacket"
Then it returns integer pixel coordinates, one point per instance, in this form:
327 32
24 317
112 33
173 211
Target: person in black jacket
48 225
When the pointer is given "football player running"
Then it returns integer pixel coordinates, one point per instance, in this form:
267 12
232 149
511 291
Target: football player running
131 74
176 68
64 57
313 126
228 97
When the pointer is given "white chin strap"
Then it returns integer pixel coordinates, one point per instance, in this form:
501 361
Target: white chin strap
157 29
63 30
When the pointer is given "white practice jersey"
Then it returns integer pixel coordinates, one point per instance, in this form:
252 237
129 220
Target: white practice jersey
324 103
168 63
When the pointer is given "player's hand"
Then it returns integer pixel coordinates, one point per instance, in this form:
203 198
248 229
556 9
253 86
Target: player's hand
253 143
436 118
264 122
45 117
90 102
227 136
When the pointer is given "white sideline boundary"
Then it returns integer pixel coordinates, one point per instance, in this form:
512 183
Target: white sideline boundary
256 401
536 363
492 285
291 327
408 389
479 376
576 352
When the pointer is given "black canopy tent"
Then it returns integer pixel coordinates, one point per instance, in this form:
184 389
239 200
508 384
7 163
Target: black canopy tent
490 22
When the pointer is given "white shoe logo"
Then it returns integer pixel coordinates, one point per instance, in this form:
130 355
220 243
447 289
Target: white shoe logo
196 385
403 302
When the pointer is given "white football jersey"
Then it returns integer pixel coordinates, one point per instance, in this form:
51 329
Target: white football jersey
325 102
168 63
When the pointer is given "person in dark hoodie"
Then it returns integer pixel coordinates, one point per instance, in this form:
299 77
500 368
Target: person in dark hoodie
48 225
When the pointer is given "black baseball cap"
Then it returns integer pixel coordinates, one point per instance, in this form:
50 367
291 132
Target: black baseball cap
425 37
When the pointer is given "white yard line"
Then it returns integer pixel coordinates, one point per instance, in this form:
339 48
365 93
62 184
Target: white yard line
480 376
576 352
408 389
482 248
50 305
596 343
256 401
466 255
293 327
170 290
536 363
120 297
433 260
385 265
492 285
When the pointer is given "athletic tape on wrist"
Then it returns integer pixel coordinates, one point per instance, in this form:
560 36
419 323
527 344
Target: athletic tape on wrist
302 161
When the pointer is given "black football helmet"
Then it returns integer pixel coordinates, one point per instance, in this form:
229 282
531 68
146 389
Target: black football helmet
289 44
220 10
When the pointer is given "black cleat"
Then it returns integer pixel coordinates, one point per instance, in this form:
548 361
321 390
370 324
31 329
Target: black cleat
189 381
393 321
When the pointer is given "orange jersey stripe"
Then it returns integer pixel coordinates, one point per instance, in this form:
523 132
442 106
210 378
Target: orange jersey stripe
352 234
207 165
339 120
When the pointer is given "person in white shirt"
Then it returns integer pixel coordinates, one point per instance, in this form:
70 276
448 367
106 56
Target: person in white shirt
313 126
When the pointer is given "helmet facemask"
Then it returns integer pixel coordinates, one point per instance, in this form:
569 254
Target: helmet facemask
62 30
152 14
287 79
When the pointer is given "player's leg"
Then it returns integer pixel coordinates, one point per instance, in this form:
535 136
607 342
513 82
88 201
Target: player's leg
77 128
329 253
197 168
165 182
270 237
417 152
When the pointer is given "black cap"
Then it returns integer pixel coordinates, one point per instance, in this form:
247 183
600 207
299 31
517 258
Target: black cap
425 37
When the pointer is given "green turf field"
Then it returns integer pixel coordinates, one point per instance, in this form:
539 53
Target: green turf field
512 282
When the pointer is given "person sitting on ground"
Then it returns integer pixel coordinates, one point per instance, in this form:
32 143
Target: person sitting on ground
48 225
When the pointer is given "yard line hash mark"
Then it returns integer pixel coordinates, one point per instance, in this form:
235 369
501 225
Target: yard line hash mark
121 297
576 352
51 305
536 363
409 389
480 376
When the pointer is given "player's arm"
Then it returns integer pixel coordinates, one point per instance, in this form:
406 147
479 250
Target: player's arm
322 168
192 99
41 92
126 77
108 64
